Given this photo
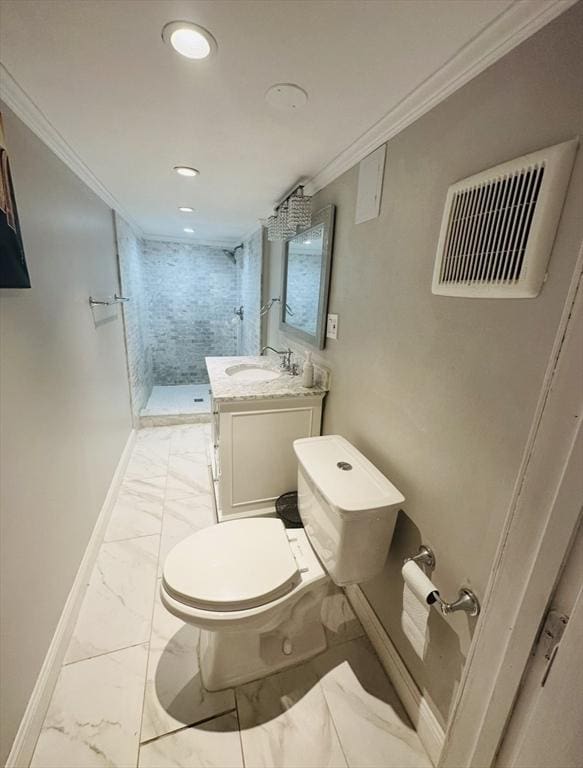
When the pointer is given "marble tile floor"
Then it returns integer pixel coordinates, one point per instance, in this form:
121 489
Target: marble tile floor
129 692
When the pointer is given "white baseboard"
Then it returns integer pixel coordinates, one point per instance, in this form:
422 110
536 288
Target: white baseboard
34 715
428 727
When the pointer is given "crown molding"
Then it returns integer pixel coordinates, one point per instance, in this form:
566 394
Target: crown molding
221 243
514 25
24 107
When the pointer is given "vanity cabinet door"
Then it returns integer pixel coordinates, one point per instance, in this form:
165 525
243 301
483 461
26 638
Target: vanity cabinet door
257 457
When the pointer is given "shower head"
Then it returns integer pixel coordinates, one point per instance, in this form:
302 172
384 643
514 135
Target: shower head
233 254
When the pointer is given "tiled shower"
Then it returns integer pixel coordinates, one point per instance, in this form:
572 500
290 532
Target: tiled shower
181 310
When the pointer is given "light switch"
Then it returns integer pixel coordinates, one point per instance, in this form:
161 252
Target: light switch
332 327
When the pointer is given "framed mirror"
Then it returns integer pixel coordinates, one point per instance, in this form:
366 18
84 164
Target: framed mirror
306 280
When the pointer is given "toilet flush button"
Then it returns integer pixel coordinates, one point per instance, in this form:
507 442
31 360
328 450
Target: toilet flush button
287 646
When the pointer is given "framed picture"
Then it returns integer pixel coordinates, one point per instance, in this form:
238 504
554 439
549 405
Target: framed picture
13 271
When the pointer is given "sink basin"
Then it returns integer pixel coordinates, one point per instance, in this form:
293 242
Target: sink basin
249 372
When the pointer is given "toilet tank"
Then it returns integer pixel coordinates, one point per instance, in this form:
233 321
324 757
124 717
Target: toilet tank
347 506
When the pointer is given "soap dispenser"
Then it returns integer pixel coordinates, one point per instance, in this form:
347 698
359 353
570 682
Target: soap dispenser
308 371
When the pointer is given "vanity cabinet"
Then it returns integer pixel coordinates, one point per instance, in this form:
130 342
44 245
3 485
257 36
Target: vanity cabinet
253 460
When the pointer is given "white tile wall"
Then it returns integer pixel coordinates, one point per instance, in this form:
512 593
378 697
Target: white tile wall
191 292
181 308
249 272
135 314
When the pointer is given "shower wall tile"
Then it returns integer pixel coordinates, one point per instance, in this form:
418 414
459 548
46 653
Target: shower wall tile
191 292
249 272
181 308
135 315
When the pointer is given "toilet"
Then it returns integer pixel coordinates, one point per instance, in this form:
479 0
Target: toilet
255 589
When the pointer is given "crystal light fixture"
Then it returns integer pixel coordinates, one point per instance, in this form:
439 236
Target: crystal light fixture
292 215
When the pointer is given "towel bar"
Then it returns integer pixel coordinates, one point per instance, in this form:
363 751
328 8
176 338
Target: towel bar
107 302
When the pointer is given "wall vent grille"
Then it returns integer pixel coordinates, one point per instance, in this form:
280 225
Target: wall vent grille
498 226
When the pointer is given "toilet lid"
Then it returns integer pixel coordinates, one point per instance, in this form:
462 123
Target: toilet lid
232 566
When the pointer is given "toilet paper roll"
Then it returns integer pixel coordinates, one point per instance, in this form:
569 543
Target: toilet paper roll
414 618
422 587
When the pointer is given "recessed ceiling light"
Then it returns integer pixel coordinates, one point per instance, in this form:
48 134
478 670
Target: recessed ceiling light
186 209
189 39
185 170
286 96
189 230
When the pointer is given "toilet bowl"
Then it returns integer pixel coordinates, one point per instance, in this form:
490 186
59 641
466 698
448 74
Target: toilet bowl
255 589
261 613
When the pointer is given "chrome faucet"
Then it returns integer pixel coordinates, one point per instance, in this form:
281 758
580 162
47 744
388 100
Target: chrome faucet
285 357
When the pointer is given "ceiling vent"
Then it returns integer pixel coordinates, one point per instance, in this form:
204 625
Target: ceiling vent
498 226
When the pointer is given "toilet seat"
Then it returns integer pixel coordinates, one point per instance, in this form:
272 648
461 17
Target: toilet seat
233 566
311 576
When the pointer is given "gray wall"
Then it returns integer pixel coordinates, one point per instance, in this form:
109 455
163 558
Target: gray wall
249 274
191 292
440 392
64 407
135 315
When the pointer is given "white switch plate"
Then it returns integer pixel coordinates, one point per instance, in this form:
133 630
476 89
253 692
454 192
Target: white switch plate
332 327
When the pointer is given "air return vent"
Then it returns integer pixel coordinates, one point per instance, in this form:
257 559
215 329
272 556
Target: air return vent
498 226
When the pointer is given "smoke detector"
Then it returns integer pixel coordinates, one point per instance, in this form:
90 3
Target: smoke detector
286 97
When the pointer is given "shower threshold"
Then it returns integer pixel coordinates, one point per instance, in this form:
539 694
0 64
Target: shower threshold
178 404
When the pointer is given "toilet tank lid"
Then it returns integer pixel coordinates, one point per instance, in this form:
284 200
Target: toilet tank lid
362 487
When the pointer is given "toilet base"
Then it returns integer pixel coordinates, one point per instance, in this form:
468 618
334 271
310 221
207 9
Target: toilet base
228 659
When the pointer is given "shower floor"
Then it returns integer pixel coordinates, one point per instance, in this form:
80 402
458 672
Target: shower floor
179 404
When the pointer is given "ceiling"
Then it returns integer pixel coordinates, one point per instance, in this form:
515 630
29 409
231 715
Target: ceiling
130 108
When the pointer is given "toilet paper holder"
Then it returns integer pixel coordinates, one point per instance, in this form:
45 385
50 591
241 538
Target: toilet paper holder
466 600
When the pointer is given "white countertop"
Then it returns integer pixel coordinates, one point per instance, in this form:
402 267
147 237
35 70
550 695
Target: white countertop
224 387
